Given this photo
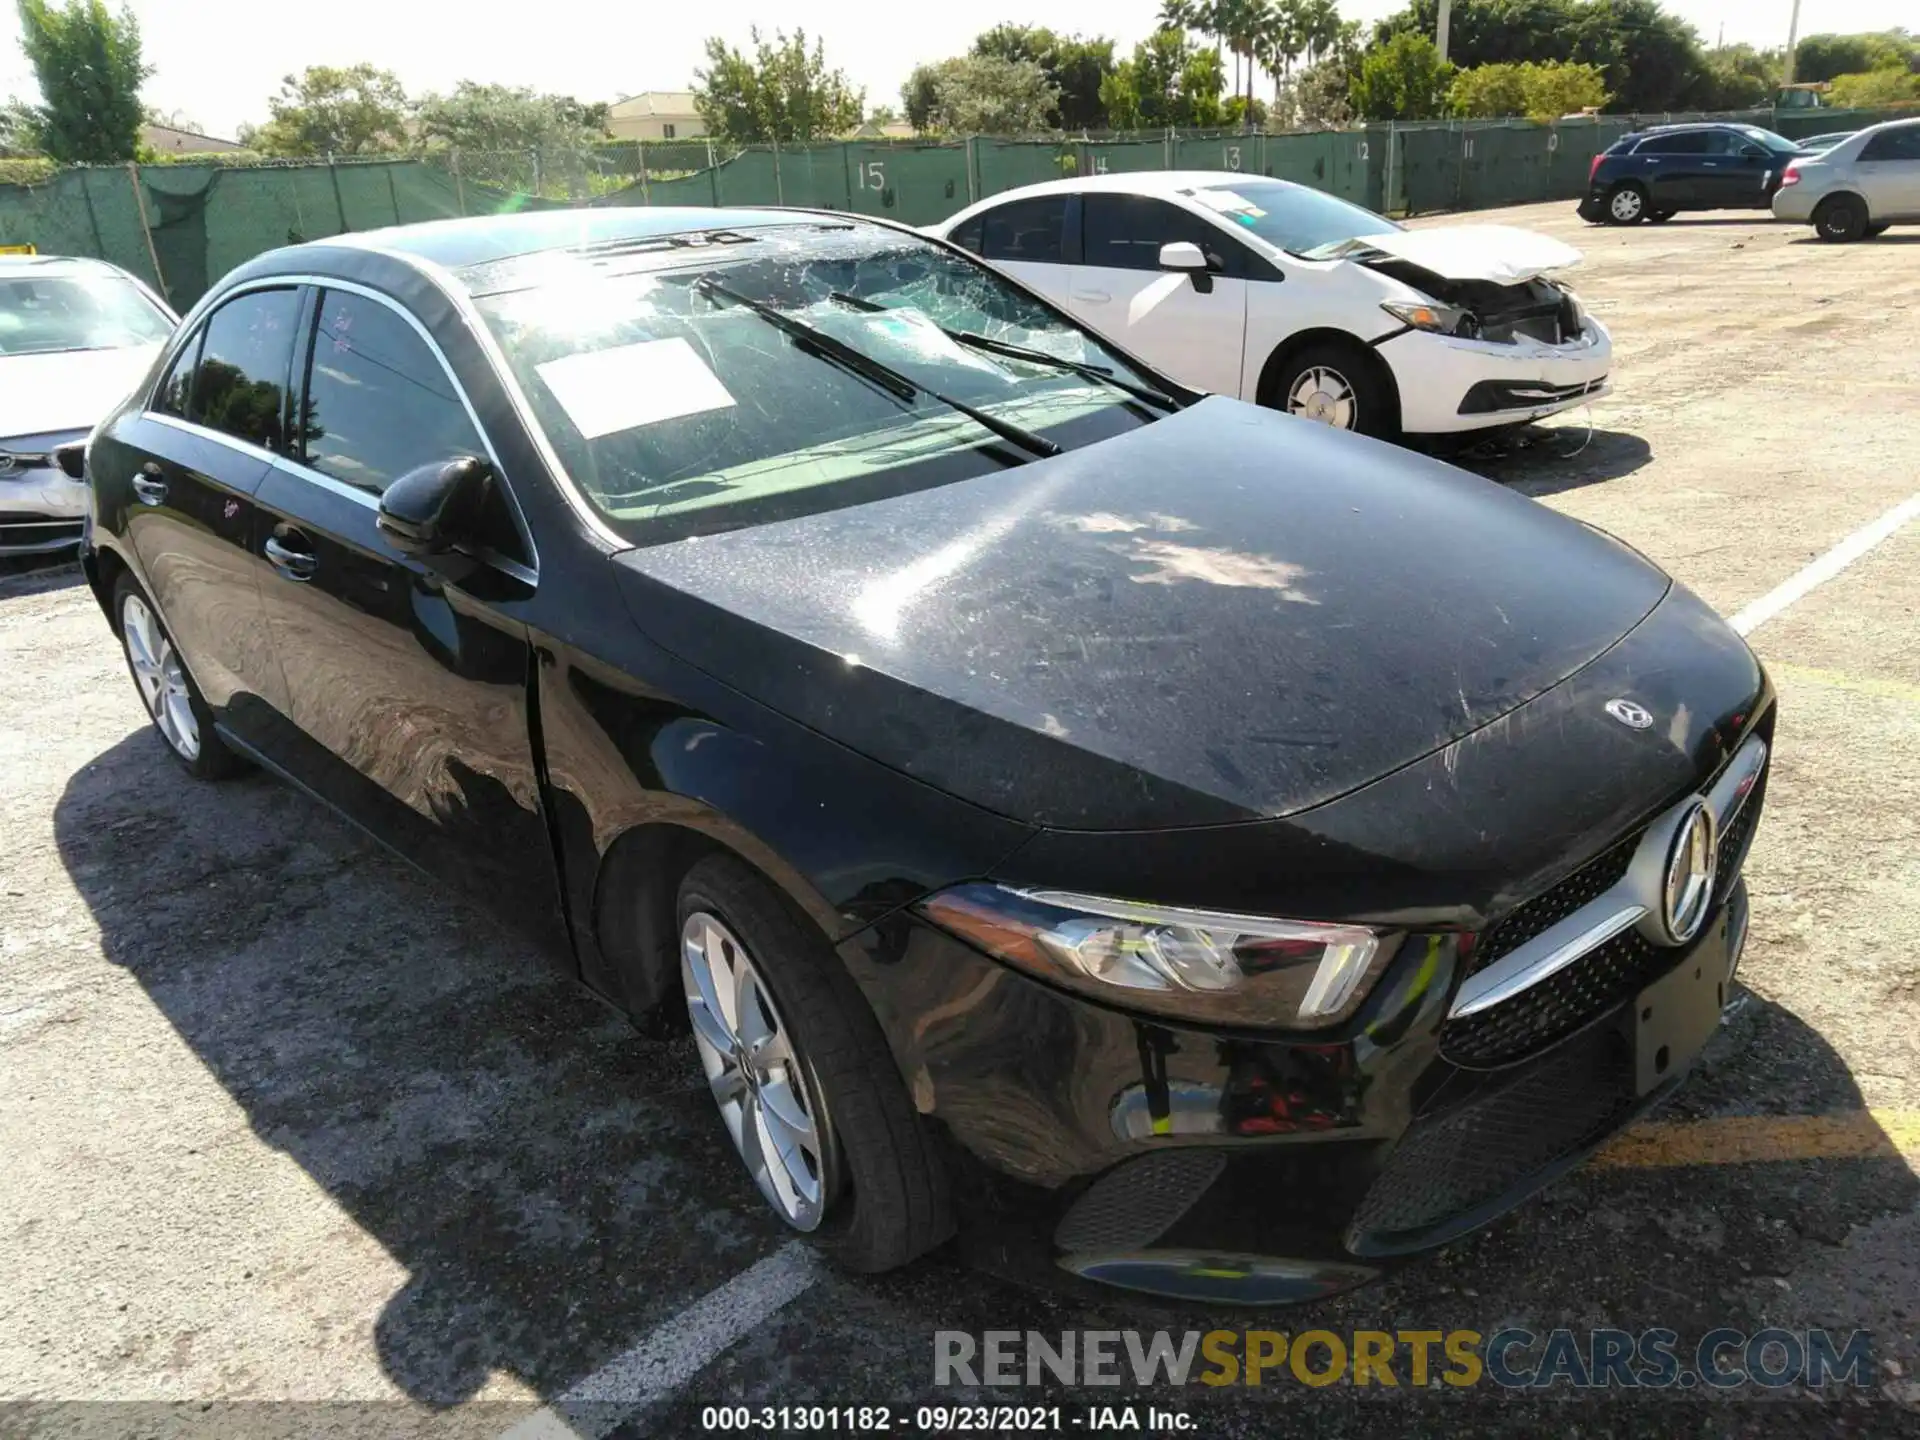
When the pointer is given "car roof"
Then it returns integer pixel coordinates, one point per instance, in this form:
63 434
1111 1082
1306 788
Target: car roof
483 239
1139 182
20 266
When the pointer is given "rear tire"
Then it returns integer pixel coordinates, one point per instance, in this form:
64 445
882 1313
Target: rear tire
1626 203
1840 219
174 703
1340 383
860 1176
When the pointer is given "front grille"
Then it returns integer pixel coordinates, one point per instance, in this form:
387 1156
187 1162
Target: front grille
1557 1006
1497 1146
1547 909
1733 841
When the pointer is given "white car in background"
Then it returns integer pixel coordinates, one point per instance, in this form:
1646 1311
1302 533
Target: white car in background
1281 294
75 337
1861 186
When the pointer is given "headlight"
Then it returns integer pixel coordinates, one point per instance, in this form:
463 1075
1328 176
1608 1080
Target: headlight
1432 316
1197 964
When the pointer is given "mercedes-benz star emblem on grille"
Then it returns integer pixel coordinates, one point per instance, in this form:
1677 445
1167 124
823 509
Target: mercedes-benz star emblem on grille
1628 713
1690 866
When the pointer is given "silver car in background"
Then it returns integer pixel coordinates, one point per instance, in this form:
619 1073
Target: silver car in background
75 337
1858 188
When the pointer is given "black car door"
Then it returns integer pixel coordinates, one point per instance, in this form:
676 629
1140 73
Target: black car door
407 692
179 477
1749 173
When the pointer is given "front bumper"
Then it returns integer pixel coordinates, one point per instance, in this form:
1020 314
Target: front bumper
1209 1165
1448 384
42 511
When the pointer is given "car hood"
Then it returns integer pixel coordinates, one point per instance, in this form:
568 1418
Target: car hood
1501 254
67 389
1226 615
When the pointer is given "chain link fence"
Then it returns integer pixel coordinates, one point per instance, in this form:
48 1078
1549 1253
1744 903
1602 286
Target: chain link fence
182 226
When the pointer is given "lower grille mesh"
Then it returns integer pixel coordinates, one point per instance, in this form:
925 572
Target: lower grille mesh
1456 1162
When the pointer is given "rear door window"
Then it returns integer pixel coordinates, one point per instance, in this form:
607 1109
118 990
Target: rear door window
1026 230
1686 142
240 379
1900 144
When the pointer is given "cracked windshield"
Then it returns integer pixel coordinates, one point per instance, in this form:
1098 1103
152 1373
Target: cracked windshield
760 377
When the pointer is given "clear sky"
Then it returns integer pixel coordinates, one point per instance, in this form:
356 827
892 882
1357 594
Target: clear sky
216 61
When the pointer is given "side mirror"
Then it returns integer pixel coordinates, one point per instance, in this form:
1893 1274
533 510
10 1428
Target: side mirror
1182 255
436 507
1186 257
72 459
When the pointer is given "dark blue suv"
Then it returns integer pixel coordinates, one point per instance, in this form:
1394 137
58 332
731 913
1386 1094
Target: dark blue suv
1654 174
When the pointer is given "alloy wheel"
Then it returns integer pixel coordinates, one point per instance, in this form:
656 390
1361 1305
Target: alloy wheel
1324 394
162 681
1626 205
753 1070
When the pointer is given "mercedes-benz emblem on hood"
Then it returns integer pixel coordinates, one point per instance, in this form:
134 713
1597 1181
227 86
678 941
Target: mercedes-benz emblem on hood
1628 713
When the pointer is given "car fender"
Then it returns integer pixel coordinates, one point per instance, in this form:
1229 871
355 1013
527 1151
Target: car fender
1315 301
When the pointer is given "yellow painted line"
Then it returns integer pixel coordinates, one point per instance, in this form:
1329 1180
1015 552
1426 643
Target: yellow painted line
1743 1139
1859 684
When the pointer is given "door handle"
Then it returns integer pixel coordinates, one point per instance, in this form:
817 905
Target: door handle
148 485
295 564
1094 297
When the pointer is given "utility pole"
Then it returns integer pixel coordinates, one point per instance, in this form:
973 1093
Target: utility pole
1793 31
1446 7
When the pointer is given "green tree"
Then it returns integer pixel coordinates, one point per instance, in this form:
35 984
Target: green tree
1403 79
1074 66
1736 77
501 117
1827 57
1168 80
782 92
1649 60
1889 85
1321 94
19 130
87 59
1484 90
330 110
986 95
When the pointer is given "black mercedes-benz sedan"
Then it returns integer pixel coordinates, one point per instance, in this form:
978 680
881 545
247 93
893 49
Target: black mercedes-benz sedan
1173 844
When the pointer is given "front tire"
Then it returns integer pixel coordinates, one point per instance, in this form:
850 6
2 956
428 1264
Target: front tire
174 703
1840 219
1626 203
805 1083
1341 384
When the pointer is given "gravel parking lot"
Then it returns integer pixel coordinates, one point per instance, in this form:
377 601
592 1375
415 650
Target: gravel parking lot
282 1123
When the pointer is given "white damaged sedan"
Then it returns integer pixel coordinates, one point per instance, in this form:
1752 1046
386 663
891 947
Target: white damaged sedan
75 336
1282 294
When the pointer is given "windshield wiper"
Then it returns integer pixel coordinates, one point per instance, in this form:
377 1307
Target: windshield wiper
1012 351
902 387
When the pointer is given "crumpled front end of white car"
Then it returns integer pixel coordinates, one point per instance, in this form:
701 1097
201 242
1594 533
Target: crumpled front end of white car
1486 335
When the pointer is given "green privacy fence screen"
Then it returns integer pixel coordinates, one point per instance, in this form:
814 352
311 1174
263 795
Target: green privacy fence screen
181 227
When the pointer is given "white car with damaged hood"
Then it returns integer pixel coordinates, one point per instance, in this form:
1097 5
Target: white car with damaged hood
1282 294
76 336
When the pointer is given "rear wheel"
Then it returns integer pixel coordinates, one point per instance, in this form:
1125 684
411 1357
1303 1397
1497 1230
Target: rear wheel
1626 203
1840 218
1337 383
174 703
803 1078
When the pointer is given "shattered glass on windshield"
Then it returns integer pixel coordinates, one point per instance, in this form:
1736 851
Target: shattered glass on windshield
666 403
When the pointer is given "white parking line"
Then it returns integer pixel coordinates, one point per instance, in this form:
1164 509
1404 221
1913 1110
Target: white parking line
675 1351
1825 567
